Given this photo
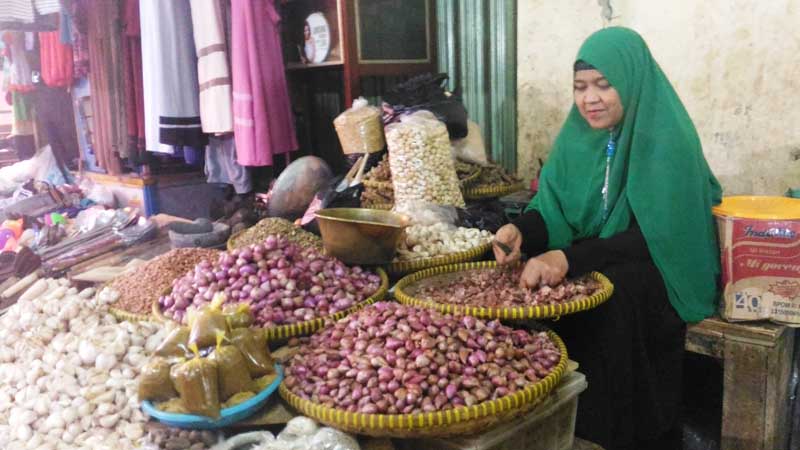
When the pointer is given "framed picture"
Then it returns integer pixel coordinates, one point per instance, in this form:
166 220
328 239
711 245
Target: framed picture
312 33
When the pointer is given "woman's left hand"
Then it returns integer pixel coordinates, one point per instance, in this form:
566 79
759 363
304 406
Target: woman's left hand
549 268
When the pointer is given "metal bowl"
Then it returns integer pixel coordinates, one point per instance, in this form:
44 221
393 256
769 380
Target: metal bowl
360 235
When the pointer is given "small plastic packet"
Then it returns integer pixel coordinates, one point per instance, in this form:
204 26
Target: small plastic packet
238 315
206 322
197 382
155 382
175 344
232 372
255 352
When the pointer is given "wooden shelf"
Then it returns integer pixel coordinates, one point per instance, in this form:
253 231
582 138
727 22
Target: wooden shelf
302 66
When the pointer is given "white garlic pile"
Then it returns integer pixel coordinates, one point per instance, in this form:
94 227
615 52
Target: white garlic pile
421 163
429 241
68 372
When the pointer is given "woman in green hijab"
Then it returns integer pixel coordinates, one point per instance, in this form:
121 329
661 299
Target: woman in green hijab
626 191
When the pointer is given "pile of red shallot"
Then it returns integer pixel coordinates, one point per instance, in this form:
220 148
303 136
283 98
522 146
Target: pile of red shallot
395 359
500 288
283 283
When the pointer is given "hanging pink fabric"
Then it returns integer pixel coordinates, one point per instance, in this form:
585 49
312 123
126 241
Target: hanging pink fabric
57 58
132 72
262 116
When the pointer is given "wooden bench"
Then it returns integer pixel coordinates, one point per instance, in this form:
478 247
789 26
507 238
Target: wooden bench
757 361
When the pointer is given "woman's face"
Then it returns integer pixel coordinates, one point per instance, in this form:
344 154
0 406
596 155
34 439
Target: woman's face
306 31
597 101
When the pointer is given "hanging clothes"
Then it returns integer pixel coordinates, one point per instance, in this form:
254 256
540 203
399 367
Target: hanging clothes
209 21
56 59
221 165
29 15
106 83
132 69
172 109
263 120
79 29
55 117
19 72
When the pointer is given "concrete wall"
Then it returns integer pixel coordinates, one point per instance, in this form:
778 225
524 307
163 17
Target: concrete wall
734 63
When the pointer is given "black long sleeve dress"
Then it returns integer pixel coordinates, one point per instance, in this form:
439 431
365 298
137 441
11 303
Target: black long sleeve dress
630 348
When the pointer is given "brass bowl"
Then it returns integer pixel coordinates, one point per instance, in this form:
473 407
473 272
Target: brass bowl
360 235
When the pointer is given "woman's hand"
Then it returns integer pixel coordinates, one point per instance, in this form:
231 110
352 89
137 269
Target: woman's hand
549 268
509 235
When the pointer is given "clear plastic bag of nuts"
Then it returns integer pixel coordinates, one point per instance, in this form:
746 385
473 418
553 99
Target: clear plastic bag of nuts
421 162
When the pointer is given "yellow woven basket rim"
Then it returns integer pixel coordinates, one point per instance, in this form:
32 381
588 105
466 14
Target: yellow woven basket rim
398 425
470 179
123 316
505 313
498 190
405 267
309 326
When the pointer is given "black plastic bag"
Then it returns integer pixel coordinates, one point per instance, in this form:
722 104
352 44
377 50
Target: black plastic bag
427 92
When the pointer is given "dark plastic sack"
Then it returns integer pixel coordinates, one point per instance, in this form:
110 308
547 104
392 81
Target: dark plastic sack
488 215
427 92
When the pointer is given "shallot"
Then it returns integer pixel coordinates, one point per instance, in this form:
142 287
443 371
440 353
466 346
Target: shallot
395 359
500 288
282 281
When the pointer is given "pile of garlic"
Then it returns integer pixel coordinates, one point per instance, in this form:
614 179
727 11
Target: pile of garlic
421 162
430 241
68 371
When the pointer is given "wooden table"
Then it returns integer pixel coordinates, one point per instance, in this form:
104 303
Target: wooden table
757 361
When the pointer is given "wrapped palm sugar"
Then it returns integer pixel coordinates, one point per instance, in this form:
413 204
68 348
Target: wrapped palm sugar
175 344
173 405
197 383
154 381
238 316
255 352
232 371
239 397
206 322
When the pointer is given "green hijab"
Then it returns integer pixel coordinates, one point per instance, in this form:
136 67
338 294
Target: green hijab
659 176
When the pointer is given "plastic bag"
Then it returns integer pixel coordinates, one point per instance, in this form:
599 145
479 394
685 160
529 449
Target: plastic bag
255 353
427 92
421 162
471 148
207 322
197 382
360 129
426 213
154 381
232 370
175 344
332 439
238 315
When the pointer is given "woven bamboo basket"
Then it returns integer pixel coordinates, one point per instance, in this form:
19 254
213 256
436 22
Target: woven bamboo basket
310 326
403 292
414 265
122 316
463 420
493 191
470 179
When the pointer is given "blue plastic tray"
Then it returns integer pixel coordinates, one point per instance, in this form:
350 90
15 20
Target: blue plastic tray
228 416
